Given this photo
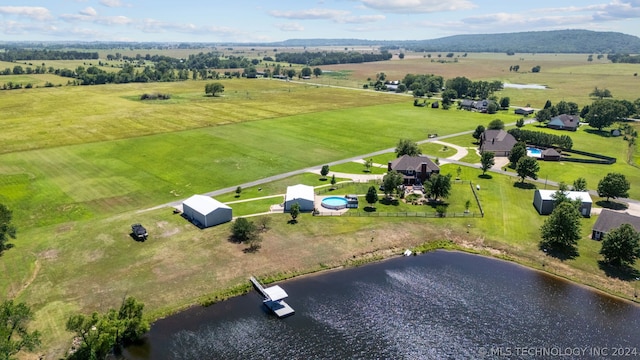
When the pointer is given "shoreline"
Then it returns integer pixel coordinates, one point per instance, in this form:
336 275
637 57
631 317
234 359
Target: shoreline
386 254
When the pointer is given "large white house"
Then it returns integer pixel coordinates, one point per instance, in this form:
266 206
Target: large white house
301 194
205 211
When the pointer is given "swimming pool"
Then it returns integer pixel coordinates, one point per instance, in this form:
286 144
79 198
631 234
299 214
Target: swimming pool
534 152
334 203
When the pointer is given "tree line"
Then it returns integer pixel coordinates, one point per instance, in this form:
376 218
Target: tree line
624 58
14 54
541 138
328 58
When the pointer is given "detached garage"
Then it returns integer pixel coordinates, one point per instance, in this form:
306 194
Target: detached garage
544 202
301 194
205 211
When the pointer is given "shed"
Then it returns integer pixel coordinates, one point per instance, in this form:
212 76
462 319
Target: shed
205 211
550 154
304 195
524 111
544 202
609 220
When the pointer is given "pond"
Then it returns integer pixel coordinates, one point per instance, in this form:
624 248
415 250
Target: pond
524 86
432 306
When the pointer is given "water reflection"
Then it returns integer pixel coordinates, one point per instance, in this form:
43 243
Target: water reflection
433 306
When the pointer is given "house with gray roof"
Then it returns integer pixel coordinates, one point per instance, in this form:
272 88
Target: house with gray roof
609 220
499 142
564 122
414 169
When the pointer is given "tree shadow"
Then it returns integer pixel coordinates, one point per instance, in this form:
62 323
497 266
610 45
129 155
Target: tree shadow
435 203
625 273
524 185
612 205
598 132
292 222
389 201
485 176
251 249
369 209
323 179
561 254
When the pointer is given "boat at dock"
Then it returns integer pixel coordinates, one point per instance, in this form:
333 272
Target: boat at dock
274 298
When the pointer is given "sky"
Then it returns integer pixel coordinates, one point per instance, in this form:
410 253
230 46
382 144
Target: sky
268 21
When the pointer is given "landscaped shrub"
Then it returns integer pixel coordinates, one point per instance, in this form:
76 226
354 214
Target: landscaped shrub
541 138
155 96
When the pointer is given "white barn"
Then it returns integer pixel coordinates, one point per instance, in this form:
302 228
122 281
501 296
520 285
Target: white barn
205 211
301 194
544 202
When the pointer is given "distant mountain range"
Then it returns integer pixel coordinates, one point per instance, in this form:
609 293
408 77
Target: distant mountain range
557 41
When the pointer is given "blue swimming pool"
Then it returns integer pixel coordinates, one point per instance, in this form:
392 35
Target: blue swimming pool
534 152
334 203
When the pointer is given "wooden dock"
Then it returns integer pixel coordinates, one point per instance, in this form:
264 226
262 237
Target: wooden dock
273 298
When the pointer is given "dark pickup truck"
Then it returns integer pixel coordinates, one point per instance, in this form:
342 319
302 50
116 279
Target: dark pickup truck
139 231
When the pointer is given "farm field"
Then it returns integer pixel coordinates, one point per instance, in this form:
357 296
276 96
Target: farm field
78 176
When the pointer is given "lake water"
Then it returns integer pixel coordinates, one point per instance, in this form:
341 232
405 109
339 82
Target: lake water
432 306
524 86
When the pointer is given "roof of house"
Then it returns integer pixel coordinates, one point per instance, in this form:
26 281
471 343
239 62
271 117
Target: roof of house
608 220
467 103
406 162
300 191
565 120
497 140
204 204
550 152
583 196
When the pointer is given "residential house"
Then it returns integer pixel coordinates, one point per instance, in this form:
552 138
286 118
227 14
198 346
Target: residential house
564 122
498 142
471 105
609 220
544 202
414 169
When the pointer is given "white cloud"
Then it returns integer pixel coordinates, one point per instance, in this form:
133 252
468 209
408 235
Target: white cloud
362 19
33 12
310 14
418 6
290 27
112 3
88 11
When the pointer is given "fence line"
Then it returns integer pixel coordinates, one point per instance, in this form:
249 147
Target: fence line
477 200
353 213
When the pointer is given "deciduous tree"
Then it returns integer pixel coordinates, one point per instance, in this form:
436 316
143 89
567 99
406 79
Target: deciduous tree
527 167
478 132
407 147
391 181
621 246
14 333
294 211
496 124
580 184
214 88
7 230
101 334
372 196
518 151
603 113
561 230
439 186
613 185
324 171
487 160
243 230
317 72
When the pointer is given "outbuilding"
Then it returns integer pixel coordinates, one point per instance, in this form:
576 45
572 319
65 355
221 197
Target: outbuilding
304 195
205 211
544 202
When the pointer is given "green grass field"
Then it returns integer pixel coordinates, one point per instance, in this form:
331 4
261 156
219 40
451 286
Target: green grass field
77 165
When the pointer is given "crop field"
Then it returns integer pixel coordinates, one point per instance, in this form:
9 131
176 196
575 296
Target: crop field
82 163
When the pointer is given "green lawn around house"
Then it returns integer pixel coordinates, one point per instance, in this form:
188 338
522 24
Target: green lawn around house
356 168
